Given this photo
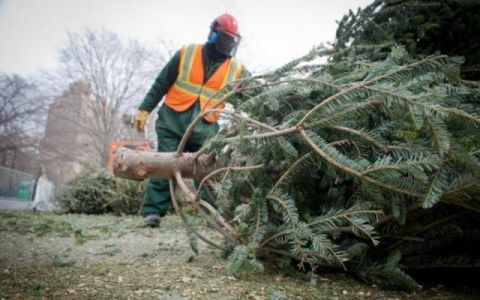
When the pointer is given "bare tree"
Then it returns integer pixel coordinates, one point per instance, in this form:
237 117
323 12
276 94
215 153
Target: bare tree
22 111
117 72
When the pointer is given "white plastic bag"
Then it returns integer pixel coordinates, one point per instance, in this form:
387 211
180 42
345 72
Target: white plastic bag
44 199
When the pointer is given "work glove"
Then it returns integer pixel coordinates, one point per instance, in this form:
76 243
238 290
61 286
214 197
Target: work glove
140 120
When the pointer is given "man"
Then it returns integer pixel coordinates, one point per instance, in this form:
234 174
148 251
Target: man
189 80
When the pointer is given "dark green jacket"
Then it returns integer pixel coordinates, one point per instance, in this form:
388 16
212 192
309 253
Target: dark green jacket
212 59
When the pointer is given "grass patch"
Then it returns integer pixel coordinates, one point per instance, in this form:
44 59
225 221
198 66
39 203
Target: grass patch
41 257
32 223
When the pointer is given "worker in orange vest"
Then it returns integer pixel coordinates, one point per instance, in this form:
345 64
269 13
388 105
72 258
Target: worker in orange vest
189 80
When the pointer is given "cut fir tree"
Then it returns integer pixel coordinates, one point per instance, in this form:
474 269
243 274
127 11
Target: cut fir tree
368 167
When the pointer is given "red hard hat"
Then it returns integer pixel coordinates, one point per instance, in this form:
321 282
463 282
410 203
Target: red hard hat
224 33
226 23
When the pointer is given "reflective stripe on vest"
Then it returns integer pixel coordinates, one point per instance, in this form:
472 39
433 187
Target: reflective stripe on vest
186 63
189 86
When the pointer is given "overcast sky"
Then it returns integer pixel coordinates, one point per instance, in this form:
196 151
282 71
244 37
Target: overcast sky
274 31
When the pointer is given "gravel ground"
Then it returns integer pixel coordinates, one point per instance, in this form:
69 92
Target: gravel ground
108 257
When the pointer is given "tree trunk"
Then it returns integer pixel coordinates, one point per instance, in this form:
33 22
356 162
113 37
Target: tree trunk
139 165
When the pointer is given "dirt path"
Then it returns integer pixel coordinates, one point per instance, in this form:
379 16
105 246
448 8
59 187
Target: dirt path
106 257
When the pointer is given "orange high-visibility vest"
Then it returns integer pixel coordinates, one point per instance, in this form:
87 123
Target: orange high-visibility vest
189 85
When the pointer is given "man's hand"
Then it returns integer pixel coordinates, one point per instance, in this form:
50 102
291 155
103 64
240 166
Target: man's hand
140 120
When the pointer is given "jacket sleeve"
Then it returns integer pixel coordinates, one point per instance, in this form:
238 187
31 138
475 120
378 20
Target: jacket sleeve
164 81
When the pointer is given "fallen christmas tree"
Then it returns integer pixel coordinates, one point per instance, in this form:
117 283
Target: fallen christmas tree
368 167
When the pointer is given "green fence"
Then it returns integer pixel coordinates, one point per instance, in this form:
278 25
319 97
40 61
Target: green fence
16 185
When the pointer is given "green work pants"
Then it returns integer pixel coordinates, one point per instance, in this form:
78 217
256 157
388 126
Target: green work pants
170 127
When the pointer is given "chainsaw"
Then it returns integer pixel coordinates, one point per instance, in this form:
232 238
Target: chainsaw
138 140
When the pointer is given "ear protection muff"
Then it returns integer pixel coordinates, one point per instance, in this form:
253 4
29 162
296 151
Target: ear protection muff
212 37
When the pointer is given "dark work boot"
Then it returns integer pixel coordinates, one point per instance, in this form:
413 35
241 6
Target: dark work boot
152 220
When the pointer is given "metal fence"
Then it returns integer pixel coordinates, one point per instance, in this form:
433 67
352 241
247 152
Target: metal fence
16 185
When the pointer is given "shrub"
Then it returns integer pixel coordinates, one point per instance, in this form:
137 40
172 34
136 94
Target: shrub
97 191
